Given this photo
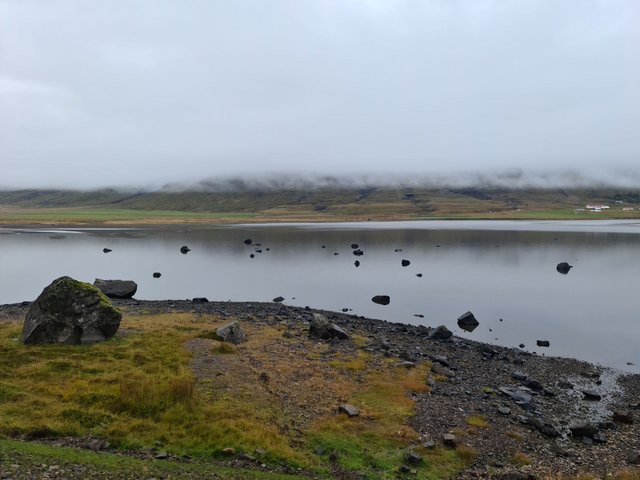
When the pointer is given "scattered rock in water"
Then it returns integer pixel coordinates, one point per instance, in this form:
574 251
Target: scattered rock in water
563 268
623 416
184 249
357 263
350 410
591 395
345 309
231 333
323 329
72 312
354 246
107 250
543 343
116 288
200 300
397 250
405 263
381 299
248 241
278 299
419 315
258 250
336 253
419 275
440 333
358 253
522 345
449 440
157 274
468 322
252 255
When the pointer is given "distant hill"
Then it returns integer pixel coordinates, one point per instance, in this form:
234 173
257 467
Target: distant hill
328 200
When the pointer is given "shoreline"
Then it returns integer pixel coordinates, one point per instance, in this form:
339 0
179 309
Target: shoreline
529 401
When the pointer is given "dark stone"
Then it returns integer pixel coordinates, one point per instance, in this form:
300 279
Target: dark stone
323 329
634 458
563 268
468 322
157 274
381 299
397 250
534 385
583 429
587 440
405 263
591 395
519 376
440 333
504 410
231 332
542 343
357 263
252 255
248 241
449 440
521 345
350 410
419 275
599 437
73 312
200 300
565 385
184 249
519 396
354 246
623 416
107 250
278 299
413 458
116 288
440 369
358 253
440 359
404 469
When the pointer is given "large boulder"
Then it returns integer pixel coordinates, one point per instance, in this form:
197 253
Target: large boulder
322 328
231 332
117 288
70 311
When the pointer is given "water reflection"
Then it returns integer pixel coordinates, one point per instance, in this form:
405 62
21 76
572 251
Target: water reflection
507 278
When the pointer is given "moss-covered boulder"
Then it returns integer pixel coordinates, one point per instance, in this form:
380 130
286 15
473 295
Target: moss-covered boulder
70 311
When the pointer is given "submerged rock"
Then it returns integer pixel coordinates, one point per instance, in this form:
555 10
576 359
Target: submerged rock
116 288
563 268
405 263
381 299
70 311
107 250
543 343
248 241
468 322
278 299
157 274
184 249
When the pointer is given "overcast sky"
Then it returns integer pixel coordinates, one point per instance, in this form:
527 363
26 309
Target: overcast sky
143 92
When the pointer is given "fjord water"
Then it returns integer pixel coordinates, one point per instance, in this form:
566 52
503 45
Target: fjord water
504 272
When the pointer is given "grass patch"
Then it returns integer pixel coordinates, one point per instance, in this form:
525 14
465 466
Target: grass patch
478 421
166 384
31 456
521 459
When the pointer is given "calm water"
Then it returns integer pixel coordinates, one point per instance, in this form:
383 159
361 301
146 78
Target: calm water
498 270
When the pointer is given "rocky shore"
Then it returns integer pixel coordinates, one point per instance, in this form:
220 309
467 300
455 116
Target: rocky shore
523 415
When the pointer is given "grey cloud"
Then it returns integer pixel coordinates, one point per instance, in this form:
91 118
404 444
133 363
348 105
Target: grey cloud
142 92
